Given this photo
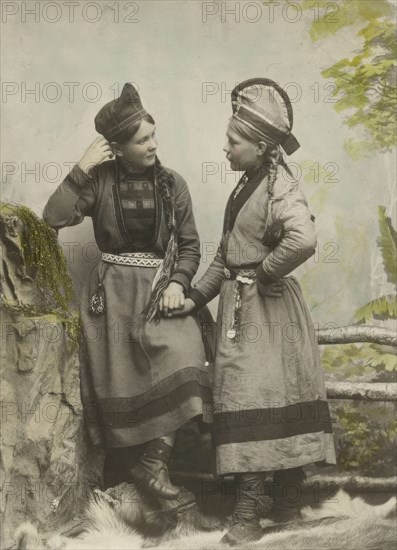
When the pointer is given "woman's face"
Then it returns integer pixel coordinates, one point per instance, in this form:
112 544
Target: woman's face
241 152
140 150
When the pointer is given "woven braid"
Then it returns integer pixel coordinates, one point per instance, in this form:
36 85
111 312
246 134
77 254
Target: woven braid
273 159
165 182
166 185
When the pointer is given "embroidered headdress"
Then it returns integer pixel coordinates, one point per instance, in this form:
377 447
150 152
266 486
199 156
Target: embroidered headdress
262 105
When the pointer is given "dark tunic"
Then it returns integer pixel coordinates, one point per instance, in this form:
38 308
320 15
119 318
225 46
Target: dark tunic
270 407
137 200
139 380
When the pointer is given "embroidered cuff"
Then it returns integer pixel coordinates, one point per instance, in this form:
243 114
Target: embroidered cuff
198 298
77 179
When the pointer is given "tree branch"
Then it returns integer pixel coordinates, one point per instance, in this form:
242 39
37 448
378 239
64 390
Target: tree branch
357 334
372 391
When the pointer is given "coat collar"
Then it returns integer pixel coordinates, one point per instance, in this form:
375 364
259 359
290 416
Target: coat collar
252 178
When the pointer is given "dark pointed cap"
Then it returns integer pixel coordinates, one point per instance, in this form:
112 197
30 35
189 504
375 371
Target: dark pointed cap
262 105
119 114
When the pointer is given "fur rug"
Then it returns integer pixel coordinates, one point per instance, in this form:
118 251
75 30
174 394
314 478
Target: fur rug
120 519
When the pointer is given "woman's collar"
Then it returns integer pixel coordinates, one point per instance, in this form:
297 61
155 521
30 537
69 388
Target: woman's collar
129 169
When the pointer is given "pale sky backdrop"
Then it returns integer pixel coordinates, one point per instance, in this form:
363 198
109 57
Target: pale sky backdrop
172 55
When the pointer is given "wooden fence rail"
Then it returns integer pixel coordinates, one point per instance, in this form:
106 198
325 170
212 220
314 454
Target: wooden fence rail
357 334
371 391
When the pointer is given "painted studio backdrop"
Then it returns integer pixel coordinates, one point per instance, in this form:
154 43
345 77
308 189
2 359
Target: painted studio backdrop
61 61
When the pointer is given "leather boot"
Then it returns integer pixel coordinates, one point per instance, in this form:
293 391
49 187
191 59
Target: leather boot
287 494
252 503
118 461
150 473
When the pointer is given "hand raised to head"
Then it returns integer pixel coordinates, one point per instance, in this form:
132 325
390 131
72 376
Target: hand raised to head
99 151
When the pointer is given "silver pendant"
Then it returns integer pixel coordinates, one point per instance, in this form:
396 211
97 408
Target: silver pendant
231 333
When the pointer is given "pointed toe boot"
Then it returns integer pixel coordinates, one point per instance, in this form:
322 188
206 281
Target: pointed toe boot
150 473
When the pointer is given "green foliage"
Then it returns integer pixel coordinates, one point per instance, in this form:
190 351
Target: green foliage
367 437
365 83
356 149
358 361
73 328
313 173
385 307
44 256
381 308
366 440
365 88
388 245
70 320
333 16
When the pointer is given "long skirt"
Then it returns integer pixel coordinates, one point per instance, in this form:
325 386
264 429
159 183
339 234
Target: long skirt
139 380
270 407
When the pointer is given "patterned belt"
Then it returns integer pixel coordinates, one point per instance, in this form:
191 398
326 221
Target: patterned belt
139 259
247 276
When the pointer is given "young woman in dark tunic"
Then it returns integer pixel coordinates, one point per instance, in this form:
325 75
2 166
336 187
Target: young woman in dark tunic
270 408
143 376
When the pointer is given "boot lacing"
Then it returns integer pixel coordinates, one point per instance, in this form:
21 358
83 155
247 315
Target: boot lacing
252 501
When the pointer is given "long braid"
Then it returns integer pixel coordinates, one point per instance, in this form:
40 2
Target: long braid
165 182
166 185
285 165
274 159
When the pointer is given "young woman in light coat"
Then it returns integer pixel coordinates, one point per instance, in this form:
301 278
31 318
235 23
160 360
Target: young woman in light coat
271 413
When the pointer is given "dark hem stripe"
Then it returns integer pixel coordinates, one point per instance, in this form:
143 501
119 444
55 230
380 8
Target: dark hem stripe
123 415
272 422
157 391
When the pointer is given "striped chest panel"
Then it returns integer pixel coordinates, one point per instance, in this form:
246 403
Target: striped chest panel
137 198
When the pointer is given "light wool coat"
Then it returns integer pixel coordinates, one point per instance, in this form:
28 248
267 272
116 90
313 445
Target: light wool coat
270 410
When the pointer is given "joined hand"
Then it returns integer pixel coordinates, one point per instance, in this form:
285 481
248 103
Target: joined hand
173 299
187 308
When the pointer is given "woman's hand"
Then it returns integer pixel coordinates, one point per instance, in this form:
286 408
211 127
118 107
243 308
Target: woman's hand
173 299
187 309
97 152
274 290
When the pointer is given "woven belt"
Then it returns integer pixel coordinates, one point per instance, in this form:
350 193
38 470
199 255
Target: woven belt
247 276
139 259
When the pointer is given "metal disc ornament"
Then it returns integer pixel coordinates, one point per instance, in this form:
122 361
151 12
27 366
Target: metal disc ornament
231 333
